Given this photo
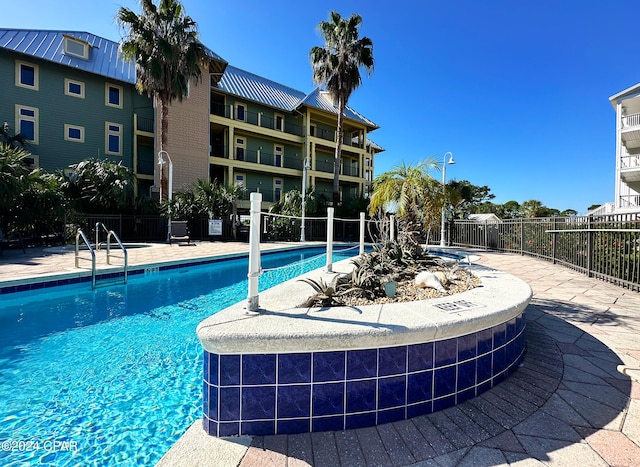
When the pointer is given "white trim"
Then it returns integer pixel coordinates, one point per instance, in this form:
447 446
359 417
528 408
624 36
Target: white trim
28 118
106 95
36 72
110 132
67 137
244 112
85 47
67 82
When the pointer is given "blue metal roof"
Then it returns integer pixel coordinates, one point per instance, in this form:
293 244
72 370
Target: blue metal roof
247 85
104 56
256 88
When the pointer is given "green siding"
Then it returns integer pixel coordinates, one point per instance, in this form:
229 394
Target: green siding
57 109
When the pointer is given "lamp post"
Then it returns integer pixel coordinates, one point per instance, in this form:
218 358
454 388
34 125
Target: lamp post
305 166
444 177
161 162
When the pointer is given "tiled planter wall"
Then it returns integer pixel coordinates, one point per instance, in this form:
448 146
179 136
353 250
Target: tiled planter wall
260 394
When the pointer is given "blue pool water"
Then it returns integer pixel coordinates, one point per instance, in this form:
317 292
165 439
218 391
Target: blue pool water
113 376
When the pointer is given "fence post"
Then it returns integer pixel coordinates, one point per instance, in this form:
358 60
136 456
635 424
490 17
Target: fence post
521 236
589 247
486 240
554 239
392 227
361 251
254 252
330 239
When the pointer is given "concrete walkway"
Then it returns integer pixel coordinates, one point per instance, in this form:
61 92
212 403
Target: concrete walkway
570 404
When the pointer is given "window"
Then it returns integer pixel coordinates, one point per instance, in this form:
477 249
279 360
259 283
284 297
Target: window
113 139
74 133
113 95
312 130
279 122
239 180
74 88
367 162
76 47
32 161
277 189
27 75
239 149
277 156
27 123
241 112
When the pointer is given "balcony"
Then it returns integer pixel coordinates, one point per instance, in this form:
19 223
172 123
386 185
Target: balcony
144 124
256 119
630 168
630 131
629 201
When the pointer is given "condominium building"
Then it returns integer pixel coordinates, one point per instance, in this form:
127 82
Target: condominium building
73 96
627 180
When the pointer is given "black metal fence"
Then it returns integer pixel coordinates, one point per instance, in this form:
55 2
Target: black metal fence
606 247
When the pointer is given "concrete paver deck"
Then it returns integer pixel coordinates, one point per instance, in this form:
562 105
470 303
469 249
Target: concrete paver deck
570 404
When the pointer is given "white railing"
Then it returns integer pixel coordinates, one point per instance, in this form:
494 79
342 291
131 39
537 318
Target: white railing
629 121
630 162
606 208
629 201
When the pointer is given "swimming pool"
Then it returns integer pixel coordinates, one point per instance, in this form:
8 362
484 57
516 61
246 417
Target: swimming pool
113 376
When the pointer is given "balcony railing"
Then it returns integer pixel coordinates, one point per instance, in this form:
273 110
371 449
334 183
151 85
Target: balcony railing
144 124
350 170
255 118
630 121
322 166
630 162
629 201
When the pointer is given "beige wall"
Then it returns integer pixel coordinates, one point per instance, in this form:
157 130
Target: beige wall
188 138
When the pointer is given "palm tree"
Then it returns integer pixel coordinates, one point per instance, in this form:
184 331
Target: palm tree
415 197
168 53
337 66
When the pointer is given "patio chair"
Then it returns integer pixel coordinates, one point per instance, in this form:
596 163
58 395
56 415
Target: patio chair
4 241
179 232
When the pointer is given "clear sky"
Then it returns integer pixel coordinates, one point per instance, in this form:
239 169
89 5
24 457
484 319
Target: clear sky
517 89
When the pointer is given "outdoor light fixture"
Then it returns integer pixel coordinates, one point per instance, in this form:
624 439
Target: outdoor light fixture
306 165
161 162
444 177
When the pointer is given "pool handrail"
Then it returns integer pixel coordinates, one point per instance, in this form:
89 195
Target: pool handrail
79 234
111 233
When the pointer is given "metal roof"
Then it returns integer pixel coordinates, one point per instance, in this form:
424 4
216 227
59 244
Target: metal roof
104 56
256 88
247 85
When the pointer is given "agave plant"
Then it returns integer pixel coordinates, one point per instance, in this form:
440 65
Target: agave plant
326 294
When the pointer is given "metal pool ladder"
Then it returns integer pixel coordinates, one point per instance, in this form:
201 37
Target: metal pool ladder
110 233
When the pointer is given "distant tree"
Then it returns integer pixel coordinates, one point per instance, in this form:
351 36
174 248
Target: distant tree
512 210
168 53
336 65
569 213
465 197
593 206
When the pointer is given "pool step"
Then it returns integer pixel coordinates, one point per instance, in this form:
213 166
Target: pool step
112 279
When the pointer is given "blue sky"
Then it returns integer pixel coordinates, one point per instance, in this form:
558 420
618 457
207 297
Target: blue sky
517 90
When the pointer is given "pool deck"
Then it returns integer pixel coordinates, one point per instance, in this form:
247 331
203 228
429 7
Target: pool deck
570 404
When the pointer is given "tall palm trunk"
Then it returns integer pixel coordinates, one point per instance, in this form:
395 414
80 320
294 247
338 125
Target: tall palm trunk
339 138
164 129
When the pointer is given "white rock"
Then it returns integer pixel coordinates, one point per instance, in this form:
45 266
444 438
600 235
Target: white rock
429 279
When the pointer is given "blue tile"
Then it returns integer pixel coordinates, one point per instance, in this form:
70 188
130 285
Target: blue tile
327 424
420 356
229 370
229 404
519 323
211 395
445 381
205 398
499 361
362 364
258 369
465 395
444 403
392 361
263 428
294 401
416 410
210 427
392 392
361 420
466 375
328 366
328 399
361 396
466 347
511 329
211 375
446 352
294 368
291 427
499 378
484 387
511 352
391 415
485 341
420 387
485 368
205 366
229 429
258 402
499 335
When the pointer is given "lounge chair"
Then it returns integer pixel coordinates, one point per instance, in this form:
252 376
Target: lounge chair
179 232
